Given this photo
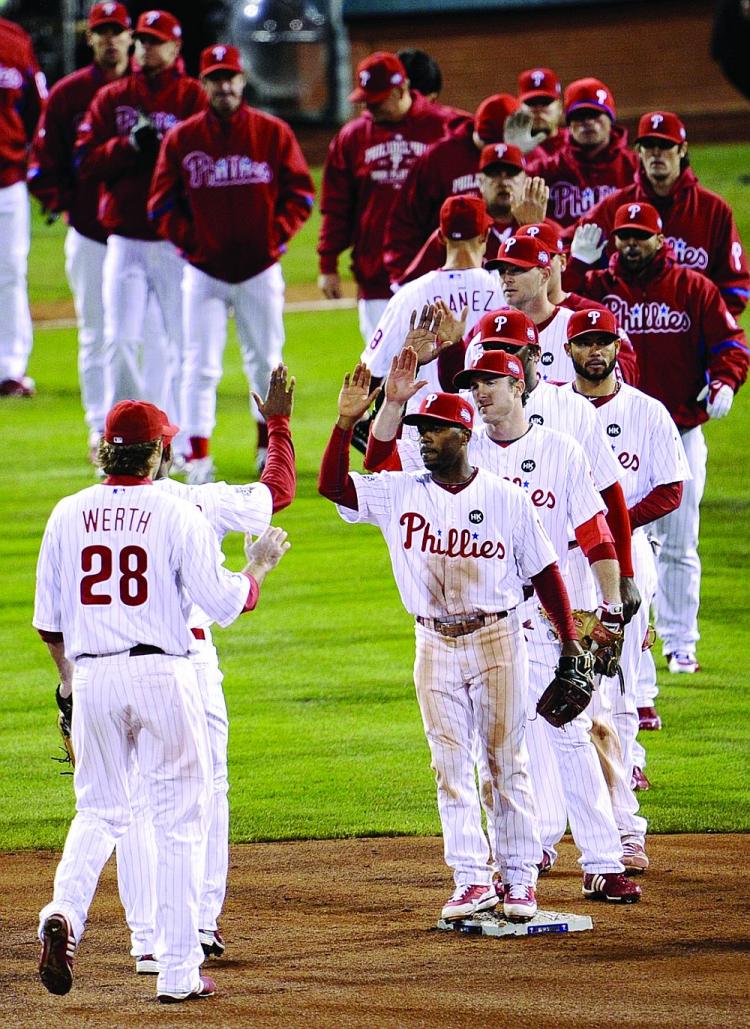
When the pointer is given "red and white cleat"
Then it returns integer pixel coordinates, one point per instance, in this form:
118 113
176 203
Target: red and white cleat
648 719
519 903
467 900
613 887
207 989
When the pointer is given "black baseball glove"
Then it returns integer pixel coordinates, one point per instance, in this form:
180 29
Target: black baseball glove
64 719
570 691
146 139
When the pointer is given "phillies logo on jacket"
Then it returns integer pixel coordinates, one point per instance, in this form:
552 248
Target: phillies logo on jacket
393 159
420 535
571 201
126 117
688 255
649 316
232 170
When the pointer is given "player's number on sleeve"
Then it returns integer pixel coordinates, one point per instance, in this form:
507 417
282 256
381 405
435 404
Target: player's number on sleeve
97 562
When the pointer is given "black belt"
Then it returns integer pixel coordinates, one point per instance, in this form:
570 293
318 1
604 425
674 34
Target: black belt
139 650
453 627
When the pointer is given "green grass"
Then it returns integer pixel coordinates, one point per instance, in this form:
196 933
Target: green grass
326 738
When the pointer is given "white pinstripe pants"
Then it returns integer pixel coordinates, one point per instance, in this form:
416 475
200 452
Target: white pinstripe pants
136 850
150 706
479 683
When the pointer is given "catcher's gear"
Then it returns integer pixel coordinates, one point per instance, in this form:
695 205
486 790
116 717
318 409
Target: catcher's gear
570 691
64 719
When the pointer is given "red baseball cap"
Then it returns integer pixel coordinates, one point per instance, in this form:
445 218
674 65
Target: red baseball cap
220 57
161 24
489 117
521 251
642 217
507 325
661 125
491 363
377 75
592 320
169 430
444 407
109 13
136 421
464 217
548 233
589 93
539 83
501 153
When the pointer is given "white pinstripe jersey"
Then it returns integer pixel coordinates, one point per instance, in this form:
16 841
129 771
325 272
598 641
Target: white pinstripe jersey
564 411
454 553
643 438
479 290
226 508
553 471
554 364
119 565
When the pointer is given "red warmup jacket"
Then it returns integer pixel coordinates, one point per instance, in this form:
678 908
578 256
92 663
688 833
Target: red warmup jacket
577 181
23 92
105 156
231 194
366 166
52 177
683 333
447 167
698 225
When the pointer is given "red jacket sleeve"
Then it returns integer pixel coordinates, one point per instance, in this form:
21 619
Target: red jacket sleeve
280 474
724 340
334 481
296 190
101 155
50 175
167 204
626 359
662 499
413 217
338 200
728 267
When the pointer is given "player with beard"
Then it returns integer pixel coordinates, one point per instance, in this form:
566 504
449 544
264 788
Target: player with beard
693 357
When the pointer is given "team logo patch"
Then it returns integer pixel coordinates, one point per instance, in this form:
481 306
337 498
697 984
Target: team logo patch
593 316
601 96
613 429
529 333
536 419
219 53
547 357
537 77
656 120
475 517
528 465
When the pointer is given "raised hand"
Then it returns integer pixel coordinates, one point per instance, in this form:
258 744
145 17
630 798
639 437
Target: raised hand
280 396
355 397
517 131
451 329
401 384
531 205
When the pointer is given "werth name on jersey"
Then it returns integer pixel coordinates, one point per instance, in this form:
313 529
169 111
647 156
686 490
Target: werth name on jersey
652 316
126 117
232 170
457 543
115 519
570 201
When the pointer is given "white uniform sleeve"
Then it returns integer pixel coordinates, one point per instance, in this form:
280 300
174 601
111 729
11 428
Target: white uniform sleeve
220 593
388 338
247 508
532 546
47 612
604 465
668 459
584 501
374 496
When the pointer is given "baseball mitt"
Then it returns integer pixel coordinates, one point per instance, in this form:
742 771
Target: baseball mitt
64 719
603 639
570 691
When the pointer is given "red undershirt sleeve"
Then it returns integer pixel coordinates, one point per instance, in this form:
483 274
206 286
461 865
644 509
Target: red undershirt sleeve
382 455
252 594
619 524
280 474
450 362
334 481
595 539
50 637
553 596
660 501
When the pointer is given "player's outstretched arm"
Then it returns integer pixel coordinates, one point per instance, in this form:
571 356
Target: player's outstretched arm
400 386
355 397
280 473
280 396
265 553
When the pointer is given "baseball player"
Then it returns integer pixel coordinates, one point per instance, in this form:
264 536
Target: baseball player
367 164
461 542
23 92
649 449
230 189
119 564
227 508
53 181
692 357
117 144
425 76
555 474
594 162
540 97
510 196
446 168
698 225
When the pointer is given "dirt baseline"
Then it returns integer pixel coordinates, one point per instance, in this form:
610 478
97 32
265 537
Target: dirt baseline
341 933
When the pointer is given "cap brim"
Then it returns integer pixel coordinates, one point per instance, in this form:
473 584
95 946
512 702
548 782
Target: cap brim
361 96
660 135
103 23
589 105
502 164
161 36
498 262
415 419
586 332
219 66
538 94
462 380
638 228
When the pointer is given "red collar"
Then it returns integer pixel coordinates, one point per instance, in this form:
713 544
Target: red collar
126 480
599 401
547 321
456 487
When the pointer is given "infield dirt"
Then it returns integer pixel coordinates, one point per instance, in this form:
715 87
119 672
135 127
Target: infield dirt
342 933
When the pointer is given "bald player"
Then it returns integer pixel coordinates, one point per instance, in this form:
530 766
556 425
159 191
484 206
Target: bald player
462 542
112 600
648 447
